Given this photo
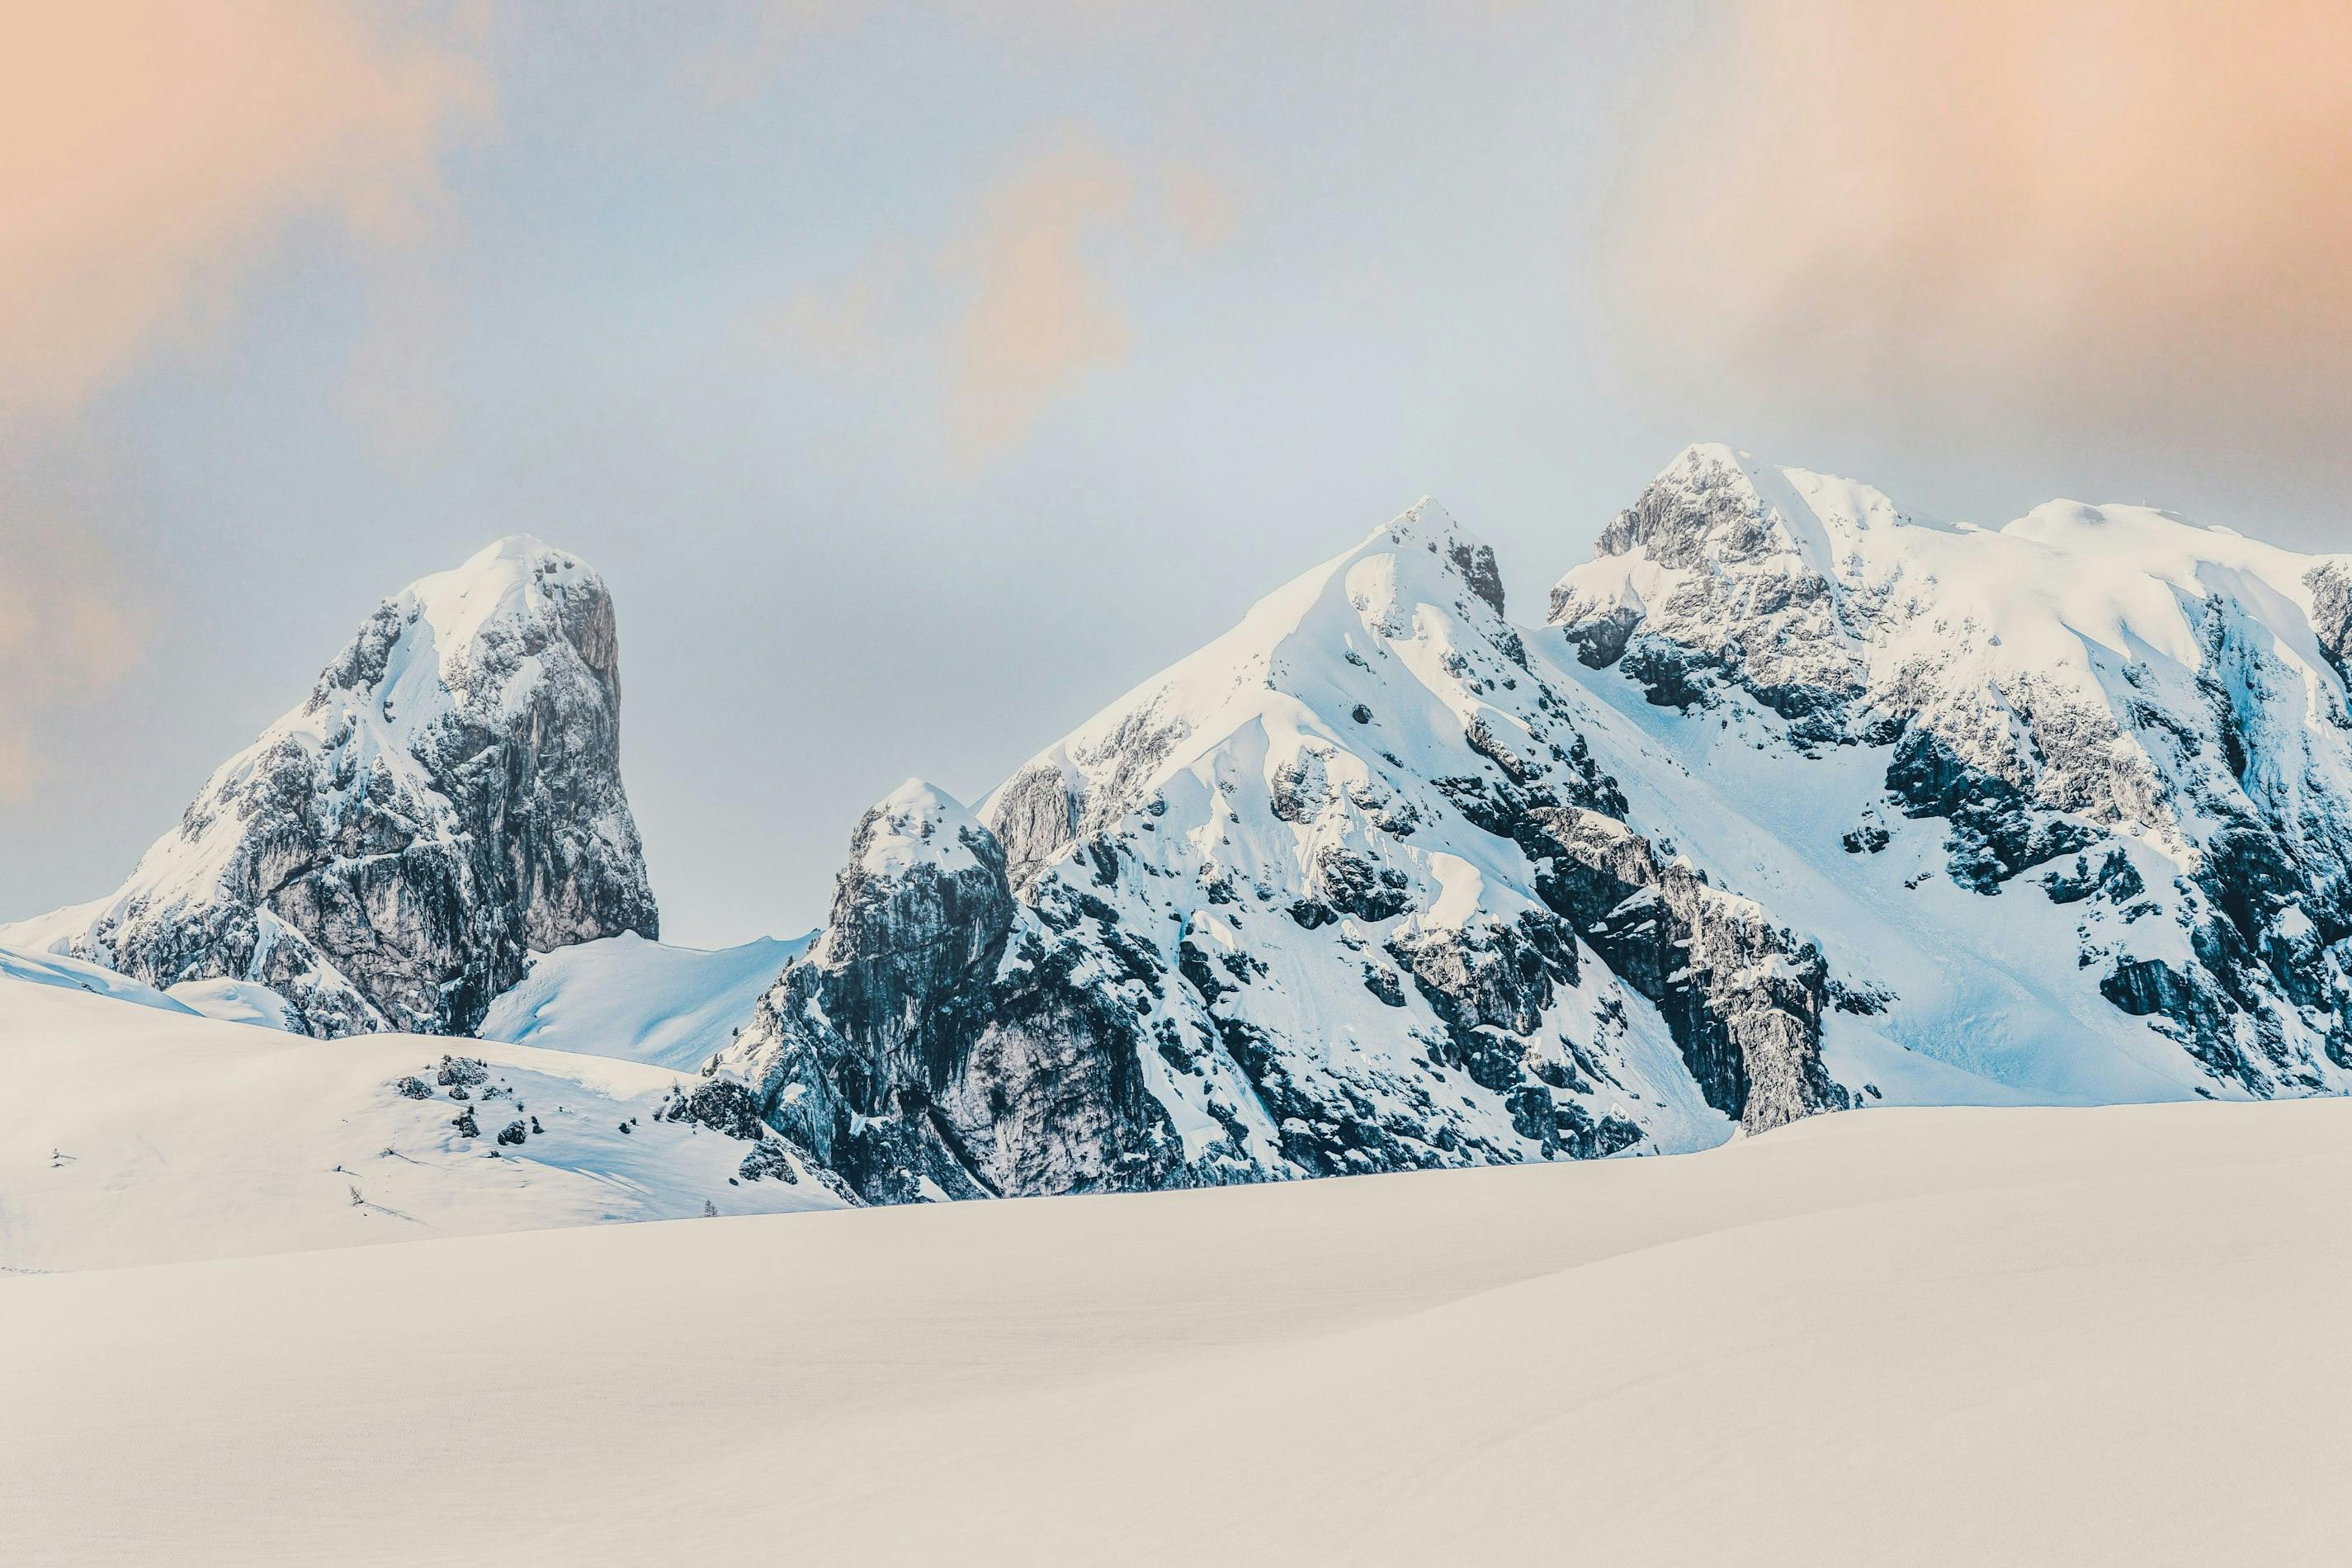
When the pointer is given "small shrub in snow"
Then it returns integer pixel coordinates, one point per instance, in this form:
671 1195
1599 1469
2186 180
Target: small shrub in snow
513 1132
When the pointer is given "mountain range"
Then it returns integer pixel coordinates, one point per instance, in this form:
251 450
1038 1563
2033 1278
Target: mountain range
1793 802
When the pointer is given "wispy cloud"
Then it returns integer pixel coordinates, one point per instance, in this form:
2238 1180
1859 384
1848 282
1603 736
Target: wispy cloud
1017 298
1040 317
153 151
2133 211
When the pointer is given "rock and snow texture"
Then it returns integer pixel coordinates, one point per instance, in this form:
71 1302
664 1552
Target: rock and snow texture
1334 895
446 801
942 1040
145 1134
1379 881
644 1001
2132 727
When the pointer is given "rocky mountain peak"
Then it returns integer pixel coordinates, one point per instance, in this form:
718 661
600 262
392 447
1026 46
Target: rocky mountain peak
1434 528
2087 681
1343 892
939 1040
923 899
447 798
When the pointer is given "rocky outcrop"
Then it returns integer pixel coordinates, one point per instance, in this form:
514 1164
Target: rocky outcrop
940 1041
1743 997
385 855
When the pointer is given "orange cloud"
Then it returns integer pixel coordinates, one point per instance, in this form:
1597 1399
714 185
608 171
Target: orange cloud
1200 206
151 149
1010 307
1040 317
2131 210
852 325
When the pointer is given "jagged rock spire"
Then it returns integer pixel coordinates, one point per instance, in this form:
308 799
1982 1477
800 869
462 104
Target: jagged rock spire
448 798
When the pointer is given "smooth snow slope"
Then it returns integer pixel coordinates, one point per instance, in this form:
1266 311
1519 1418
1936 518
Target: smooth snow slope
131 1135
71 974
2075 1336
645 1001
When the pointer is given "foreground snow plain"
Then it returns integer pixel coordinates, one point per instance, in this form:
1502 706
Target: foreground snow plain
2093 1335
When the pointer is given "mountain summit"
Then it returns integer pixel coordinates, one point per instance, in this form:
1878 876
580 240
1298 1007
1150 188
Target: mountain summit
448 798
1304 903
1378 880
2106 709
1798 802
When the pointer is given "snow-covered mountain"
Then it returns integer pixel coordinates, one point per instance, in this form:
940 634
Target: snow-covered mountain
1314 900
447 800
2108 709
1379 879
1797 802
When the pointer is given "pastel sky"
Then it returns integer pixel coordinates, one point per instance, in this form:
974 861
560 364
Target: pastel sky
920 376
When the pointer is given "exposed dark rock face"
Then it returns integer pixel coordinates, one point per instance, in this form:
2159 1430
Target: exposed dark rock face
1038 818
2331 616
767 1159
1995 831
723 1105
1743 998
2200 709
1306 941
1475 562
447 799
935 1042
2115 877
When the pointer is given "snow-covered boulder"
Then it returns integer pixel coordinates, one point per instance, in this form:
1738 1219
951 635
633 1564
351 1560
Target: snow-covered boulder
447 800
237 1001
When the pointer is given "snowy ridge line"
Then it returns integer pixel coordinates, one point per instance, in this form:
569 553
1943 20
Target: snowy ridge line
1379 879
